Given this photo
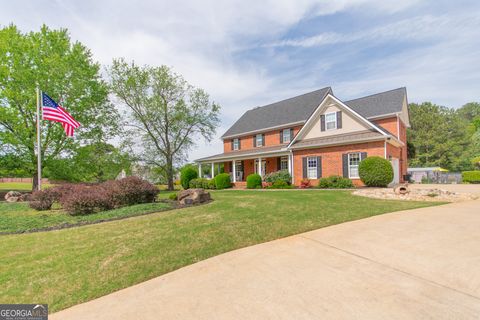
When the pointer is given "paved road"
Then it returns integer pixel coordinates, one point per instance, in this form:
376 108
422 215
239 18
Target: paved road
416 264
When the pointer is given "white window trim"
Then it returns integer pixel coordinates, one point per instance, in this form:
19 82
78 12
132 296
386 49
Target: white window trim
335 121
261 140
308 167
282 161
283 135
359 159
237 144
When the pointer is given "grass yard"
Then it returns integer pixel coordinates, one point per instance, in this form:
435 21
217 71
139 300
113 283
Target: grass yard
19 186
19 217
70 266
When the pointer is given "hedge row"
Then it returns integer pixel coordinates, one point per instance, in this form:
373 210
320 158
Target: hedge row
80 199
471 176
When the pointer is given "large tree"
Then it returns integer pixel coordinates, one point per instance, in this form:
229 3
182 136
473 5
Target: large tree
166 113
49 60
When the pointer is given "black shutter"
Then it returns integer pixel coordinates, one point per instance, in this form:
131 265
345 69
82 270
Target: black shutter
322 122
339 119
254 141
363 155
263 139
232 144
279 163
291 134
281 136
239 144
319 167
345 165
304 161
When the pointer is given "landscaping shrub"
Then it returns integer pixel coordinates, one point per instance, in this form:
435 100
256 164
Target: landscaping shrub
42 200
375 172
223 181
471 176
281 175
335 182
305 183
85 200
131 190
254 181
187 174
280 184
211 184
199 183
173 196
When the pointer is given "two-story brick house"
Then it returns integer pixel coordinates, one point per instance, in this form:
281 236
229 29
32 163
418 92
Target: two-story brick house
317 135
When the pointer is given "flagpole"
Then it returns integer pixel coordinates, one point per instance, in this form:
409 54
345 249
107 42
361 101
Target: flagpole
39 154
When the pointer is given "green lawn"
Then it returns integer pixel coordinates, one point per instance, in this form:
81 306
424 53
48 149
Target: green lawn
19 217
19 186
70 266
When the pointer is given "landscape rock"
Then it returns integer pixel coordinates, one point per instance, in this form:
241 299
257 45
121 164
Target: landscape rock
430 194
401 189
193 196
13 196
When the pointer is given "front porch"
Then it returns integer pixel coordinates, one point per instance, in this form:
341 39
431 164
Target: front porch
239 167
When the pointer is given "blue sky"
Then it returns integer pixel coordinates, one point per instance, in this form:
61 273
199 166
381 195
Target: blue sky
250 53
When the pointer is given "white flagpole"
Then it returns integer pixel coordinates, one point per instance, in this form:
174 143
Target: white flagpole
39 154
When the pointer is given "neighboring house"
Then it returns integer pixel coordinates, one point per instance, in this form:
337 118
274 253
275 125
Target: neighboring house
317 135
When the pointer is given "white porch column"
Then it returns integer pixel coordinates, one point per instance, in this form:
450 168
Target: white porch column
260 167
213 170
199 170
290 166
234 171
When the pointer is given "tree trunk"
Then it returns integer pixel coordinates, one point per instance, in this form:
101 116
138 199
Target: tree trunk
170 174
35 181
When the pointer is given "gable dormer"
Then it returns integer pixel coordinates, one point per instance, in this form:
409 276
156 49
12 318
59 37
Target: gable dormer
332 117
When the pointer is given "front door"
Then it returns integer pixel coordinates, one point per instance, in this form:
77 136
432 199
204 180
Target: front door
239 171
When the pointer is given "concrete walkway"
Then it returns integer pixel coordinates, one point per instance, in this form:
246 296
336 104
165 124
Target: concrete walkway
416 264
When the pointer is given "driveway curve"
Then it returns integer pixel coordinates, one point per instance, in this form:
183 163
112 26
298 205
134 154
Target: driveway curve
415 264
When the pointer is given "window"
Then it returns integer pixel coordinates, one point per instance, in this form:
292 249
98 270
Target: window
259 140
286 135
312 167
331 121
284 163
236 144
353 161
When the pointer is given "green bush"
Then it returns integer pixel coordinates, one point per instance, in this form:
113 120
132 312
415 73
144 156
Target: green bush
281 175
280 184
471 176
173 196
335 182
375 172
254 181
186 174
222 181
211 184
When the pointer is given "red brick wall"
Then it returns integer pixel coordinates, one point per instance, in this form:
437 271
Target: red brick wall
332 159
272 138
388 123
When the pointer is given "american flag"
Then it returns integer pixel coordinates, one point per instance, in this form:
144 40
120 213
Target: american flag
54 112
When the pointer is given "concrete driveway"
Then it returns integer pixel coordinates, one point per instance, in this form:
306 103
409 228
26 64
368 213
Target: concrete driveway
416 264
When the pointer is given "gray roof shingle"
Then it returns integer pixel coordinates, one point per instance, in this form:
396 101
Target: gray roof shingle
379 104
291 110
300 108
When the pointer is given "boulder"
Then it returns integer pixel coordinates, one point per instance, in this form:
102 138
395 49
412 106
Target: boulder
401 189
193 196
13 196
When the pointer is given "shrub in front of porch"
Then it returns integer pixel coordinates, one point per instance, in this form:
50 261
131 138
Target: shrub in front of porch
280 184
281 175
202 183
335 182
223 181
375 172
254 181
186 174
